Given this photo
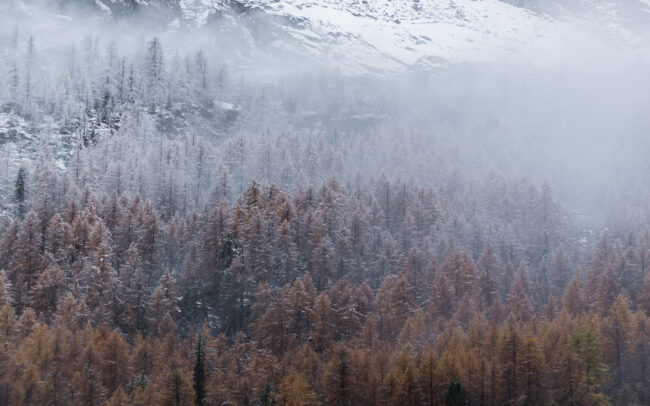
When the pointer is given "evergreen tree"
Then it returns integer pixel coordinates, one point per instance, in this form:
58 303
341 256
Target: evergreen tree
455 394
19 193
267 397
199 377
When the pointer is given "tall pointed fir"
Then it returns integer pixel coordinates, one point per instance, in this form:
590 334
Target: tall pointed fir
198 377
19 193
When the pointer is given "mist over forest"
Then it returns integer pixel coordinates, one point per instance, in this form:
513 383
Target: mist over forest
259 202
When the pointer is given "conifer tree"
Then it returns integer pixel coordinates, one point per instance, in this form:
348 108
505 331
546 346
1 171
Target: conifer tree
19 193
199 376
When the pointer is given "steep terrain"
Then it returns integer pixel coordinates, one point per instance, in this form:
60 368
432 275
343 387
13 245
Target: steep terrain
379 35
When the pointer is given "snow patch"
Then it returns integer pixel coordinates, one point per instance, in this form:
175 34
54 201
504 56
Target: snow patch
103 7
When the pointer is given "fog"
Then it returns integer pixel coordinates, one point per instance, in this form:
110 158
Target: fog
579 123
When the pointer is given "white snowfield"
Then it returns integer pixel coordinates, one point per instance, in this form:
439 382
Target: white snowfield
379 35
359 36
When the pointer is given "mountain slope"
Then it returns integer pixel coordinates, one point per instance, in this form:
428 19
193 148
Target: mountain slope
383 34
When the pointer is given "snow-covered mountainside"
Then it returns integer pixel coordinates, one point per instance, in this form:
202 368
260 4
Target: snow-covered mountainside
379 35
375 35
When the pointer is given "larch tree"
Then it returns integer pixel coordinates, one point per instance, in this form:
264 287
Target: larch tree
617 337
163 308
27 259
442 302
49 288
115 356
337 377
488 268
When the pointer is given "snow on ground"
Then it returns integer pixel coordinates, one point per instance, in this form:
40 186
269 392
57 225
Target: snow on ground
385 35
359 36
14 128
458 30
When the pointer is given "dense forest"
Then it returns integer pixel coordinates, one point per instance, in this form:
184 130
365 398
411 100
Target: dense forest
162 246
333 295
